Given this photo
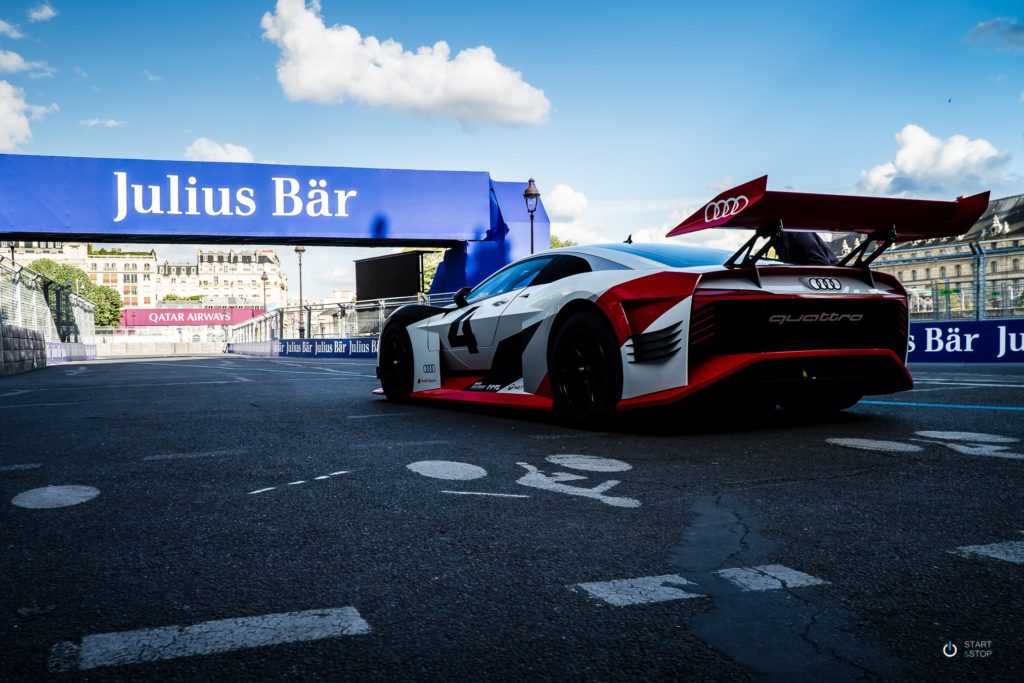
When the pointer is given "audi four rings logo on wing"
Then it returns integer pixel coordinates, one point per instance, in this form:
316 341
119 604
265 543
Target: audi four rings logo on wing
824 284
724 208
429 368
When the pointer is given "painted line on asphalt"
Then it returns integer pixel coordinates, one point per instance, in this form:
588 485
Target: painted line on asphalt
69 403
16 468
484 493
398 444
299 482
175 384
768 577
364 417
1010 551
210 637
958 406
640 591
189 456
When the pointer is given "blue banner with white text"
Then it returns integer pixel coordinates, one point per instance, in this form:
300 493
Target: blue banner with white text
131 199
971 341
357 347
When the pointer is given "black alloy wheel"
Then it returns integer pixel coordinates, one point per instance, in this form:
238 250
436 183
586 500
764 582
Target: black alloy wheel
585 369
396 364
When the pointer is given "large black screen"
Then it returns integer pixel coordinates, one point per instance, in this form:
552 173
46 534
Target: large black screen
388 276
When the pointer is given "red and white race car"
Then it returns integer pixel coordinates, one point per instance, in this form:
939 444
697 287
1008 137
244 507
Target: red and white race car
593 330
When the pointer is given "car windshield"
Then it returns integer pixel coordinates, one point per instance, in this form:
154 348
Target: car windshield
514 277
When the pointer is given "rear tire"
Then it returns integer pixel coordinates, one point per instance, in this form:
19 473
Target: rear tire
396 364
585 368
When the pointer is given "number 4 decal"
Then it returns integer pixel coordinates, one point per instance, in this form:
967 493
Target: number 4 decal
466 337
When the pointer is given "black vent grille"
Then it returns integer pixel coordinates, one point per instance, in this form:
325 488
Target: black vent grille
753 326
652 347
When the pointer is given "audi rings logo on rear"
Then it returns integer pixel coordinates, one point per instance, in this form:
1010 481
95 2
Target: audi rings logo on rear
429 368
724 208
824 284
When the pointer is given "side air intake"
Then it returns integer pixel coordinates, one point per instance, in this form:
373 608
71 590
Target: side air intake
652 347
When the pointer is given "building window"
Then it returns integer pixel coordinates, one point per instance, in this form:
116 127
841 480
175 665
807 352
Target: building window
1016 264
913 274
927 273
942 271
958 270
145 300
995 266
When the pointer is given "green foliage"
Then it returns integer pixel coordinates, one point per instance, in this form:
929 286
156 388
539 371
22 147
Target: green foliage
175 297
558 243
117 252
108 301
431 260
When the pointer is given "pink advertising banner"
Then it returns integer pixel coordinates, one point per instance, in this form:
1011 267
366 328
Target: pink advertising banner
144 317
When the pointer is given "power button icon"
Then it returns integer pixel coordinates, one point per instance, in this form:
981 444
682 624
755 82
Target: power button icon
949 649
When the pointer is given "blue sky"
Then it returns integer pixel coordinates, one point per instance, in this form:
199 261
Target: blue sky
629 116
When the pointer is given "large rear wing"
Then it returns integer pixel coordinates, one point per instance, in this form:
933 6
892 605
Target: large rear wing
885 220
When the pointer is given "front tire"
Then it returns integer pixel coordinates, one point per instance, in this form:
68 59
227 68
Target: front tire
396 364
585 368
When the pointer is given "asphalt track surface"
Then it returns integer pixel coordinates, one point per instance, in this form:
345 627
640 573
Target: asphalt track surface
742 547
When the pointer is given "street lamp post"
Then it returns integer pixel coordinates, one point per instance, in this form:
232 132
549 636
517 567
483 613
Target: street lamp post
264 278
300 250
531 194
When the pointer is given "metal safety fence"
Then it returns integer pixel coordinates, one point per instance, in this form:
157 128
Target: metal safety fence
952 300
32 301
327 320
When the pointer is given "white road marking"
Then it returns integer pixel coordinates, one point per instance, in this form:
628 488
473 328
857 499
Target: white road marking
187 456
1010 551
365 417
445 469
294 483
873 445
640 591
334 474
54 497
71 403
301 481
484 493
973 437
77 371
589 463
534 478
211 637
269 488
398 444
16 392
587 435
322 476
769 577
15 468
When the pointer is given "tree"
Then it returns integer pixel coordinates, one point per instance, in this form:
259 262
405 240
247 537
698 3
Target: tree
431 260
558 243
107 301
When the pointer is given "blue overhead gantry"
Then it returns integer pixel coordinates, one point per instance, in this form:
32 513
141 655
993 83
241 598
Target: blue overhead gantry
483 223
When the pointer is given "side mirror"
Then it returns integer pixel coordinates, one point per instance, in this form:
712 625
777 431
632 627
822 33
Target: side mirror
460 297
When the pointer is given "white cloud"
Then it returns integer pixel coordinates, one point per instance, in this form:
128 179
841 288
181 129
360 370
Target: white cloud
102 123
12 62
564 203
10 30
330 64
43 12
927 165
80 72
150 76
16 115
205 149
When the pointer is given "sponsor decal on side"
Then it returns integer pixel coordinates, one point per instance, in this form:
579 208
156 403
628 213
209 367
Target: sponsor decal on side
986 341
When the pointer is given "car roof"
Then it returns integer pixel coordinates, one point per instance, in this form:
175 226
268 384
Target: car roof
656 254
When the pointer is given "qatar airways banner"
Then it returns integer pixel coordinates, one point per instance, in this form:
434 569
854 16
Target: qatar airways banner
145 317
137 199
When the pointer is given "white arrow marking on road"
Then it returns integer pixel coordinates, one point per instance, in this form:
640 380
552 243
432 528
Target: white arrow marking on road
446 469
1010 551
210 637
973 437
874 445
589 463
640 591
769 577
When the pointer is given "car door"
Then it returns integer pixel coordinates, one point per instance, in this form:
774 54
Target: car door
467 334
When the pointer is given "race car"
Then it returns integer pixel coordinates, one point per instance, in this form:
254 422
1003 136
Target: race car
590 331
